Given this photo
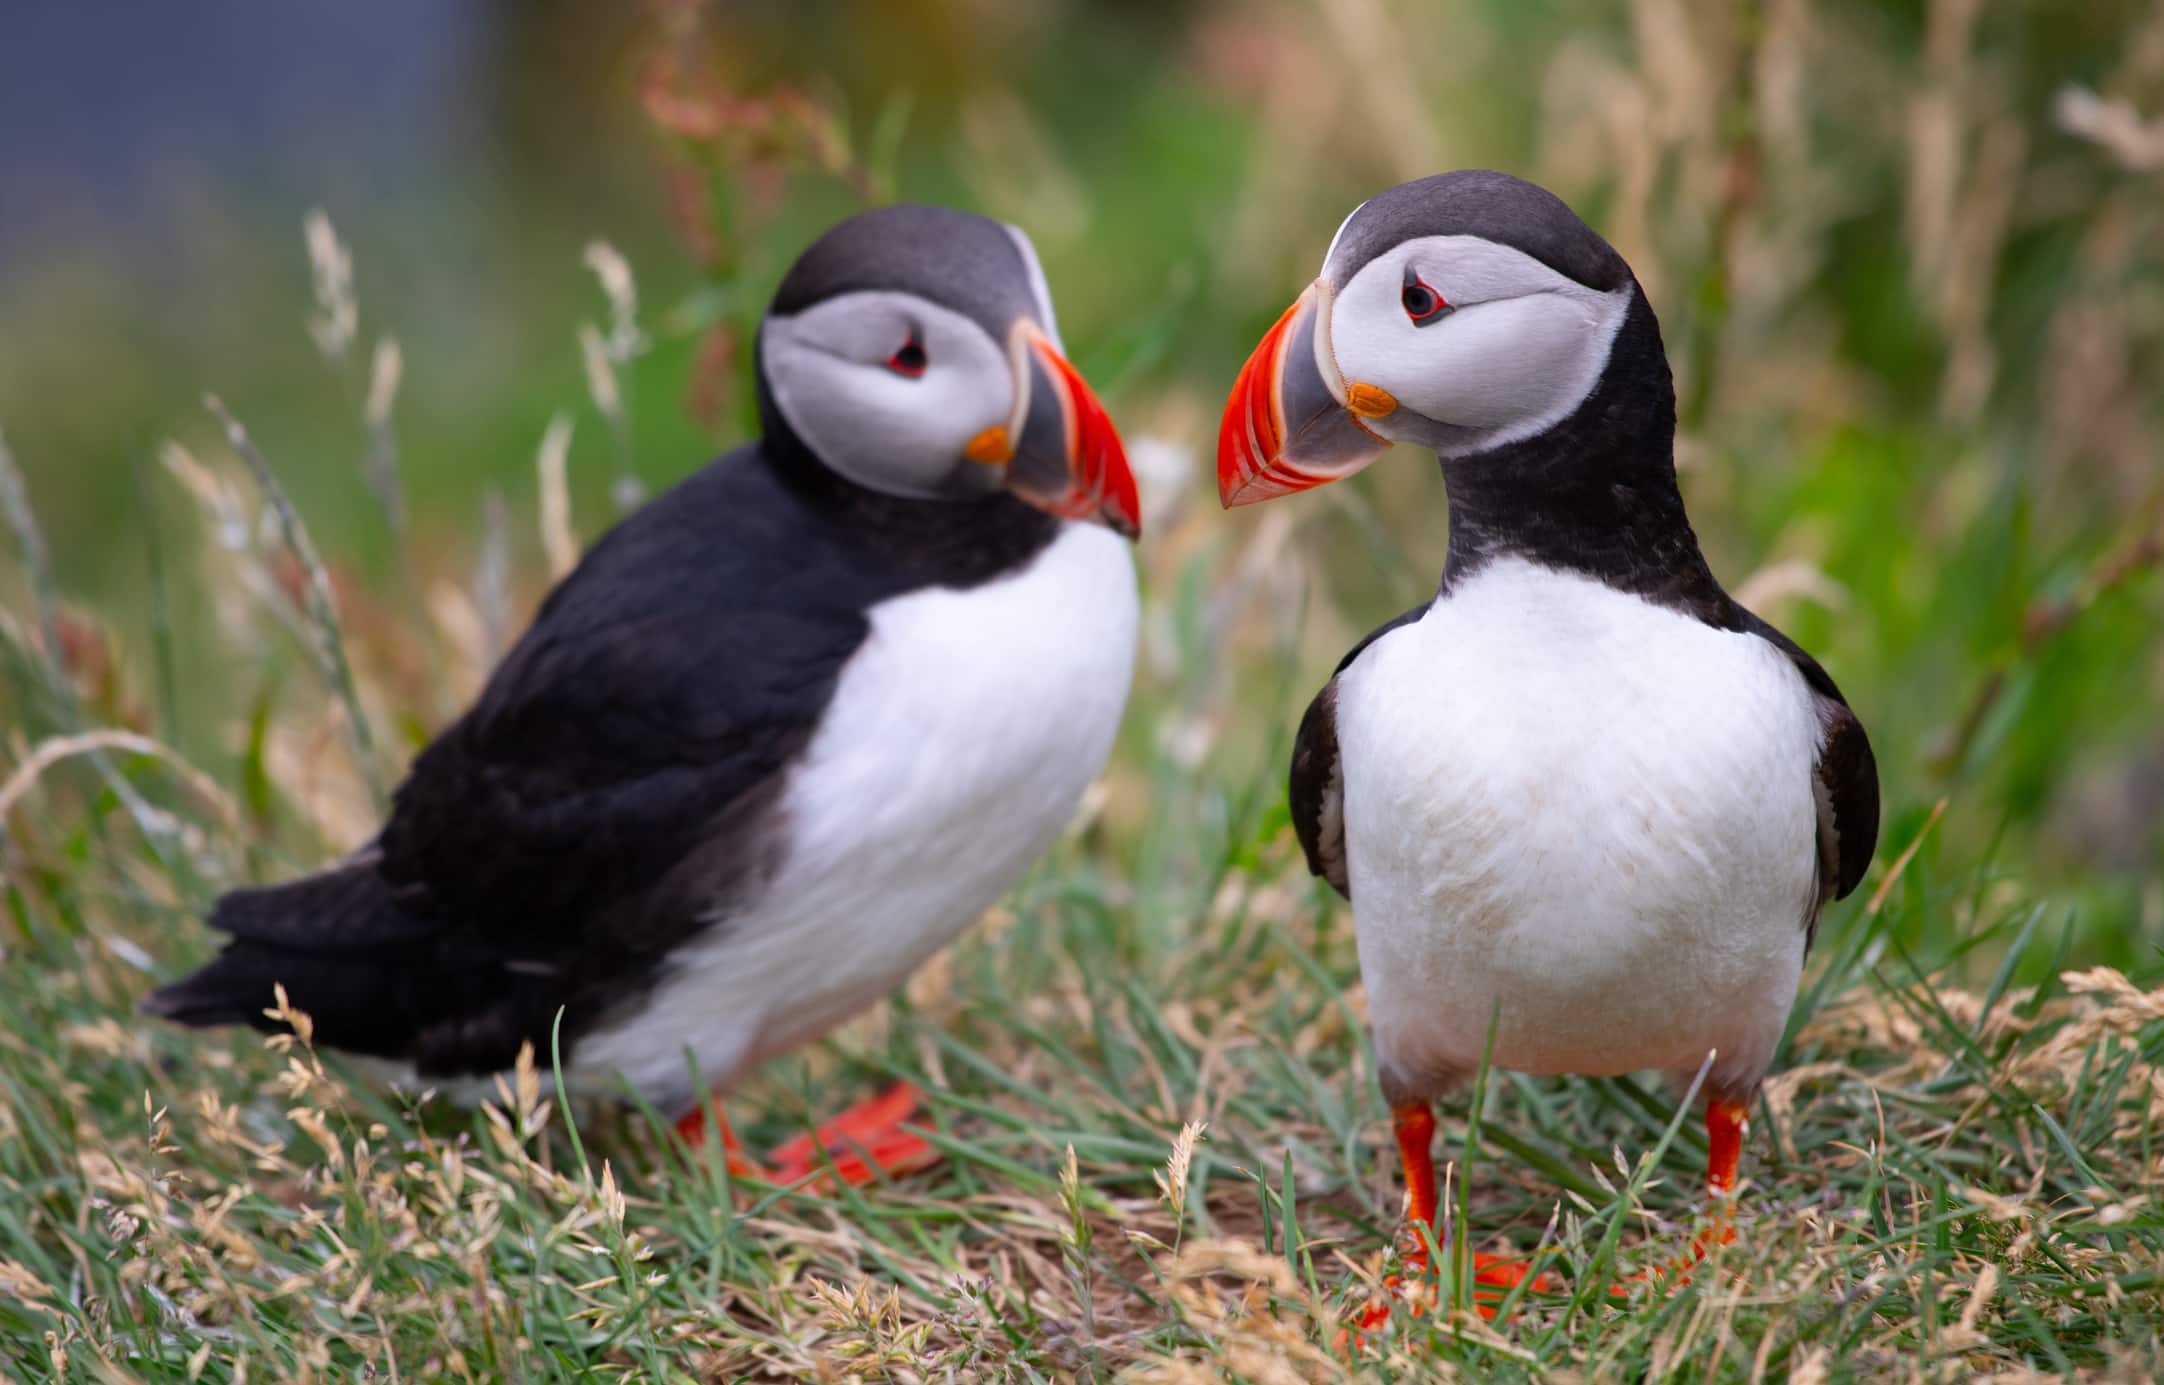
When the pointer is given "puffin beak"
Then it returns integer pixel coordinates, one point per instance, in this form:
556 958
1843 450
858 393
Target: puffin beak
1060 450
1290 424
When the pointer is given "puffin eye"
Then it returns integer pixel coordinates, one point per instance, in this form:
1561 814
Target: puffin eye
1422 303
909 359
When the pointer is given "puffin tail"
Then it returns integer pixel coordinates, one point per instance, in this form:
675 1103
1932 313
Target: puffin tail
324 937
231 989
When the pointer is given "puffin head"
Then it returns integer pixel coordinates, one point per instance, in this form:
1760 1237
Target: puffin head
1461 313
913 351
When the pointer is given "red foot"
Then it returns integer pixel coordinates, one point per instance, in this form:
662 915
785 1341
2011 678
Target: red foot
865 1143
1493 1277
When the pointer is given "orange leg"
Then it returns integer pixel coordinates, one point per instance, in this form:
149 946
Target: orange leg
1415 1129
1727 1122
1414 1126
865 1143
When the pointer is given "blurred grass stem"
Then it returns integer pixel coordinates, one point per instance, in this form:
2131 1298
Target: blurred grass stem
320 602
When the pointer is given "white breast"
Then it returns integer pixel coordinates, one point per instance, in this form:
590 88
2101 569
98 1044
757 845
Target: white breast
958 744
1588 810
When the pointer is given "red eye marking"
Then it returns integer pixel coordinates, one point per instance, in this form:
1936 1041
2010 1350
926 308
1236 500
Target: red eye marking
910 359
1422 303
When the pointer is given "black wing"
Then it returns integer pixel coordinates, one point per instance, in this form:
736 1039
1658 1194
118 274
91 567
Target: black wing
598 803
1318 792
1315 786
1845 779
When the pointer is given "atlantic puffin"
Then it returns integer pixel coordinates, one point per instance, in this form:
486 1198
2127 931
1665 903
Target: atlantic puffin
777 738
1582 793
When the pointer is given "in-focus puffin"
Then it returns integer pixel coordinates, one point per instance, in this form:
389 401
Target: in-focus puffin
779 736
1582 791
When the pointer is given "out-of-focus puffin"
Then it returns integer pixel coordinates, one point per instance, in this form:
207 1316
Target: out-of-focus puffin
1582 791
779 737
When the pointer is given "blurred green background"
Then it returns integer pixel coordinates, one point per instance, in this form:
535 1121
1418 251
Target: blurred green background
1908 258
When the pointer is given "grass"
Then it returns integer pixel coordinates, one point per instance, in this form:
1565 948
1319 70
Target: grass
1165 1159
1167 1167
1165 1155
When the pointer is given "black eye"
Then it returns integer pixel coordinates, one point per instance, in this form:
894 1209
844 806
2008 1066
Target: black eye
910 359
1422 303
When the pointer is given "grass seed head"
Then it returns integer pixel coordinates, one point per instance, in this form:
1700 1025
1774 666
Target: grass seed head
337 316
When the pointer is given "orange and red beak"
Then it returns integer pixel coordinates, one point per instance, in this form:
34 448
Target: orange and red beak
1289 424
1060 449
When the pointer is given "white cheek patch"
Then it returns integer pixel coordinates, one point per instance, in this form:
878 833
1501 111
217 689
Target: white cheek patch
1523 349
827 369
1511 367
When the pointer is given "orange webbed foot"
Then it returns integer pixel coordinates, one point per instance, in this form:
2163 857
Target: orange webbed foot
864 1143
1494 1276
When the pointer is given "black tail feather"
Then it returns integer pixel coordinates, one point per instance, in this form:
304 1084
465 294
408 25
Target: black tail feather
348 907
355 1002
206 998
339 944
372 977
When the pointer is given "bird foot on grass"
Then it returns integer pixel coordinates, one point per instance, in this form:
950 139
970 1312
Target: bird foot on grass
1494 1276
865 1144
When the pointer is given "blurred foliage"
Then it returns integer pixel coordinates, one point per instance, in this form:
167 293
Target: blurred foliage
1909 261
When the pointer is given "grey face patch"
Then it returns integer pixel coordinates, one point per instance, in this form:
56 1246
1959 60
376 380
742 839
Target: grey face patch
1525 347
1477 202
960 283
827 372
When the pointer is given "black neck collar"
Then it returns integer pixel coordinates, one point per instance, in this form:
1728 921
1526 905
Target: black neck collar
1596 494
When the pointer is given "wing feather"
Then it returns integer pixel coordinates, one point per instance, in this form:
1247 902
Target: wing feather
1844 780
1316 785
